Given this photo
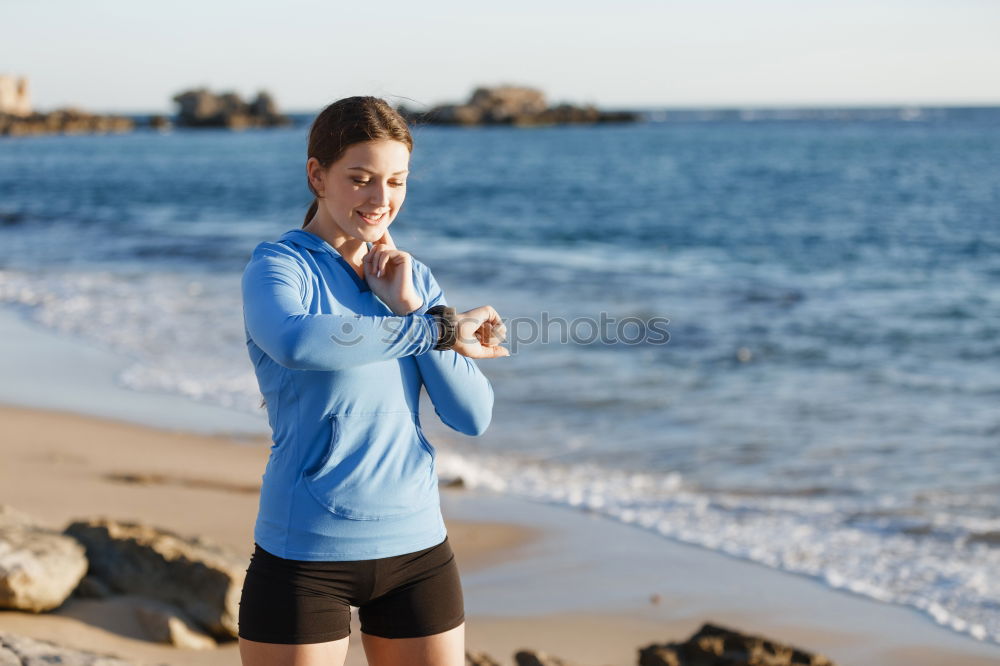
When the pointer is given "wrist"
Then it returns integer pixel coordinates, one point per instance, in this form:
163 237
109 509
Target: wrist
408 306
447 326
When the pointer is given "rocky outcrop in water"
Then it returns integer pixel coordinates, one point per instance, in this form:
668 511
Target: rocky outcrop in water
67 120
512 105
202 108
17 118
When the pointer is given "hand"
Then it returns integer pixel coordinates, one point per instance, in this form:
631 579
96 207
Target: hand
480 332
389 273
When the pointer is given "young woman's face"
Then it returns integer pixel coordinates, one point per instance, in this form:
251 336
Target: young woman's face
364 190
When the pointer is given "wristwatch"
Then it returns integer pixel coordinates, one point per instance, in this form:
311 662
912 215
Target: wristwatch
447 319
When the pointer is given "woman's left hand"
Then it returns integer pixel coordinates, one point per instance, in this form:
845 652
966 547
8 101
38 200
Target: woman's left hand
389 273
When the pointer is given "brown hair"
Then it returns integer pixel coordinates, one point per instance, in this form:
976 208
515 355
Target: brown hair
348 121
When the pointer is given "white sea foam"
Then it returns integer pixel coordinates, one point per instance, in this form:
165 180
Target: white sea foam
950 580
183 333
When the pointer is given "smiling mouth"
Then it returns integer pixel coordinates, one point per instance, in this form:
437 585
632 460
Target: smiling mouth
372 219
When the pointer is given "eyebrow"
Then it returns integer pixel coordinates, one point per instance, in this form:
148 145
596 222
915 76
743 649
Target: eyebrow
361 168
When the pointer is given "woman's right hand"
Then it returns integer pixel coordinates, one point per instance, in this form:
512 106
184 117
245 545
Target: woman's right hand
479 333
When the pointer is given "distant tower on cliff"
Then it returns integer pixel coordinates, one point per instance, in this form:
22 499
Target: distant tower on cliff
14 96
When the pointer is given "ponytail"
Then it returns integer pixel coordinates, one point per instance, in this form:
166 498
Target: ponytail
312 211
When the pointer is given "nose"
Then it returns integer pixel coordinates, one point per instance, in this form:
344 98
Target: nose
380 195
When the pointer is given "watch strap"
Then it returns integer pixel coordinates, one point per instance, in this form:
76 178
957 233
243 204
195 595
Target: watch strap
447 321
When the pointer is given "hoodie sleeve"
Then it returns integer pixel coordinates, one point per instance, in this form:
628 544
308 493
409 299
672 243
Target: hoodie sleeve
461 394
278 323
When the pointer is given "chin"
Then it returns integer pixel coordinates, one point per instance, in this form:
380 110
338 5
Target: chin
371 234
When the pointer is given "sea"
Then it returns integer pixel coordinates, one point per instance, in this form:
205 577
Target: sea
771 334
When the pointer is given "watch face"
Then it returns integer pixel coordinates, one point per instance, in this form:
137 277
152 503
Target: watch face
447 316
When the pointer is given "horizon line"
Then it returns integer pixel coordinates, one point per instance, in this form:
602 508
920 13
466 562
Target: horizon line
818 106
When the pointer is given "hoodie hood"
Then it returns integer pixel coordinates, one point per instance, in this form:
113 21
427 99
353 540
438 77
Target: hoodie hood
310 241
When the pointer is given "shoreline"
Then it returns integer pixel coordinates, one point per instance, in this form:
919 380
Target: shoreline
535 576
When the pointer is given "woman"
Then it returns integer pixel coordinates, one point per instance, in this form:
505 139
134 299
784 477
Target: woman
343 328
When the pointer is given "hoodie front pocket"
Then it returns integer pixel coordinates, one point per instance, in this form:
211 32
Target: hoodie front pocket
377 465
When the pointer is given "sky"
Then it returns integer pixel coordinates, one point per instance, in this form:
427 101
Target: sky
117 56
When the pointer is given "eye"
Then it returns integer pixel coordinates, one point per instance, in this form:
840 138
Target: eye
361 181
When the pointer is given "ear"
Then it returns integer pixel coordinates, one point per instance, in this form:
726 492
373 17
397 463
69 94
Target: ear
315 173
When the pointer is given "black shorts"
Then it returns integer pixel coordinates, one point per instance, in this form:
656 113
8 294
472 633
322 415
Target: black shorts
403 596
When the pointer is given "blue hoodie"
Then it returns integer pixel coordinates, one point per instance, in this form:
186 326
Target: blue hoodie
350 474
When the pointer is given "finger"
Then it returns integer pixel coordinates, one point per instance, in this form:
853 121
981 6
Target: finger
496 327
384 261
495 351
493 316
488 336
395 258
490 341
387 240
484 351
482 314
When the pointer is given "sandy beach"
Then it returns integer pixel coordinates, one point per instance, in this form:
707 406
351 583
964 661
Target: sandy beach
523 589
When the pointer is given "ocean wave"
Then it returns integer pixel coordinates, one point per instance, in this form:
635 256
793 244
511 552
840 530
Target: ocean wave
950 580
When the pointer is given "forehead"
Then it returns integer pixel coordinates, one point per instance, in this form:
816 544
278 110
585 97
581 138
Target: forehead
385 156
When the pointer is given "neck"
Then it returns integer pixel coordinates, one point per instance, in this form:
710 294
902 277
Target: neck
350 248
